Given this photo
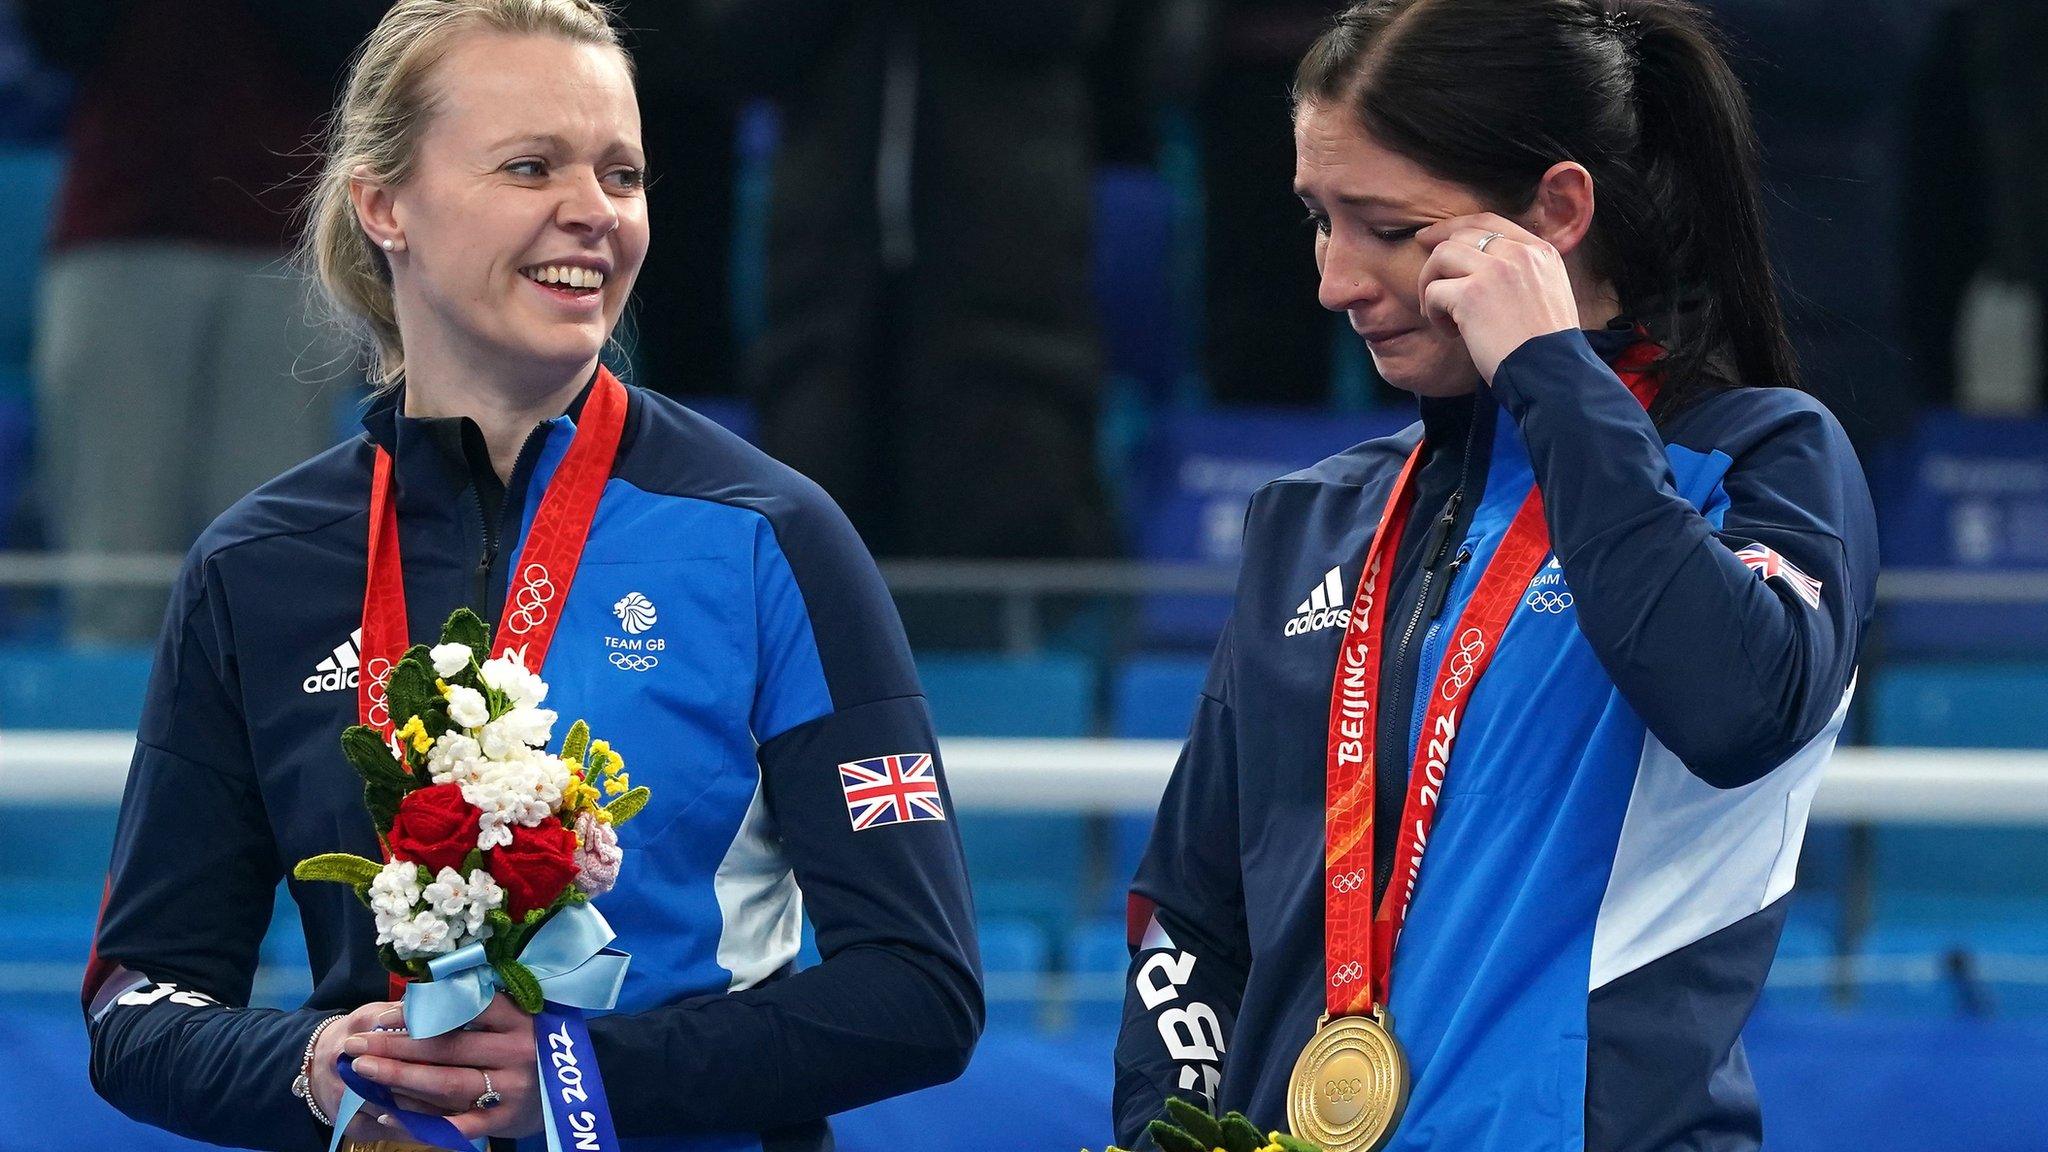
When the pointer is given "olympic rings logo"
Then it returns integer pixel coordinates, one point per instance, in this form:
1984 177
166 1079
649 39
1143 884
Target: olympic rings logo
530 602
1348 881
379 672
1548 600
633 661
1465 662
1350 973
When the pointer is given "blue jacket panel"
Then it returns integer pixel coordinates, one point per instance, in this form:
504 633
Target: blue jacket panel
725 630
1624 804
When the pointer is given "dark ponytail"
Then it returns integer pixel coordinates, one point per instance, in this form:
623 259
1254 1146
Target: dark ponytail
1700 157
1491 93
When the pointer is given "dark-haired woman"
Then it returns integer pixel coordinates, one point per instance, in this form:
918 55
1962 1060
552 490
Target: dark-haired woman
1483 834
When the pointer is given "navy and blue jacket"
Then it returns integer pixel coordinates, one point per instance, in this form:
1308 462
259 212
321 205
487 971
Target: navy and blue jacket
775 655
1607 879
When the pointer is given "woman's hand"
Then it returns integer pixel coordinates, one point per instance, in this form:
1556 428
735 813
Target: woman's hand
445 1074
1495 300
326 1083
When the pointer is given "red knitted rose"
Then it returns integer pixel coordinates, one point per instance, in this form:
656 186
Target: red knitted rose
535 867
434 826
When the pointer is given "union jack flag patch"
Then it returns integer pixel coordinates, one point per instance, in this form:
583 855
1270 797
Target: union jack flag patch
1768 565
891 790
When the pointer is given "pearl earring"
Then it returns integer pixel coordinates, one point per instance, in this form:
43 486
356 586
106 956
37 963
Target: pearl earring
390 245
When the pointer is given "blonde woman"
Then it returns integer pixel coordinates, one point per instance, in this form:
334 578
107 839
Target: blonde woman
479 223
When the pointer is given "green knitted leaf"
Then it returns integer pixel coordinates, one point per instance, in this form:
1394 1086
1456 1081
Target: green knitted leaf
1295 1144
627 806
434 718
1194 1122
1241 1135
466 628
1171 1139
520 984
562 900
382 800
338 867
576 743
371 757
472 862
503 942
411 689
409 969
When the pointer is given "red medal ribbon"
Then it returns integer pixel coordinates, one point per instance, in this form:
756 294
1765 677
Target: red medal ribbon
1358 942
547 564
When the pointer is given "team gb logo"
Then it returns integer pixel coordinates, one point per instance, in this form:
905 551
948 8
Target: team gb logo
635 613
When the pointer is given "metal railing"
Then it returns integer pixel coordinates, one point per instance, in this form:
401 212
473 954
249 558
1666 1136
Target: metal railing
1021 587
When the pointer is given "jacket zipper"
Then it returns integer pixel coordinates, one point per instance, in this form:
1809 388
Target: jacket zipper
1430 602
1438 542
529 451
488 558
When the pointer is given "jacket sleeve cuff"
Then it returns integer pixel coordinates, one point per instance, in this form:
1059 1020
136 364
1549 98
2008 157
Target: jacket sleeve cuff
1560 365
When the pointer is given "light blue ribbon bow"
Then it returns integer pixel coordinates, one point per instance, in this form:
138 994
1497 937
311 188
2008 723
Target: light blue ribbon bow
570 955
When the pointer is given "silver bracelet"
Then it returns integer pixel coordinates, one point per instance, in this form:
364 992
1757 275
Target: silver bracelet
302 1084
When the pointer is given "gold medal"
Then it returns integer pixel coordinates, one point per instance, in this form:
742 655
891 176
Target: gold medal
1350 1084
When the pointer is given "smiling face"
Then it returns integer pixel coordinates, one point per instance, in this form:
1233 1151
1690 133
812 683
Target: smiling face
524 219
1368 202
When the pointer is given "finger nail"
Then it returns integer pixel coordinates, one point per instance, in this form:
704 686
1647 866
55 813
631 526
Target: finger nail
355 1045
386 1121
367 1066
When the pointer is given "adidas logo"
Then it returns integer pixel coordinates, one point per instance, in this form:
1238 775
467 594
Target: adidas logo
341 669
1324 608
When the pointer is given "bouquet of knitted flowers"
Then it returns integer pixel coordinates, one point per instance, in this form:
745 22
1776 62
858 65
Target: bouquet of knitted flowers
486 834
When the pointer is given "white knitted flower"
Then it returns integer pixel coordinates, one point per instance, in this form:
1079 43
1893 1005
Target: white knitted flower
508 674
424 935
493 830
395 888
394 895
466 707
464 903
449 659
454 757
520 792
510 736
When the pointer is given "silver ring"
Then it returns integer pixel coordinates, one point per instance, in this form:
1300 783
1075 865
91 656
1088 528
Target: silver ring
490 1098
1489 238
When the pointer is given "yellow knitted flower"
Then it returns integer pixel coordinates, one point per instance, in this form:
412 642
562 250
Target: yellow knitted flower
416 733
579 795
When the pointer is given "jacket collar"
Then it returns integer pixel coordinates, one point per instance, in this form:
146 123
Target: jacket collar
435 458
386 414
